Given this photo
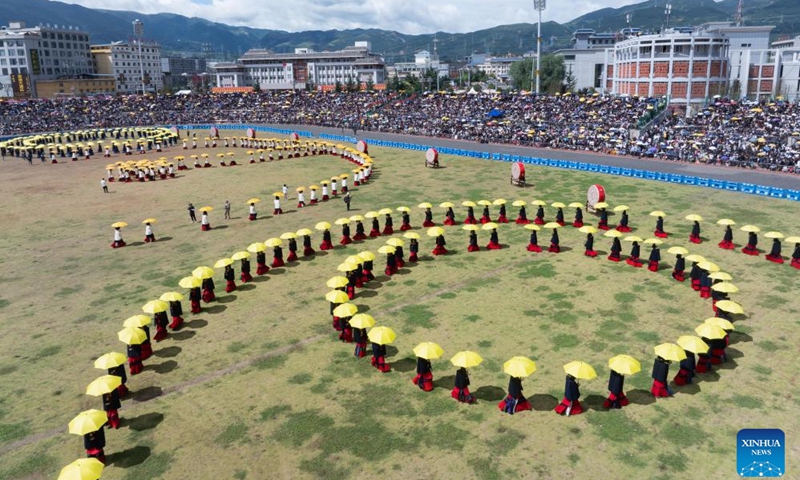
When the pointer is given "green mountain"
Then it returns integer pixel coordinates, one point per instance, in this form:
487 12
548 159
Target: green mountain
180 34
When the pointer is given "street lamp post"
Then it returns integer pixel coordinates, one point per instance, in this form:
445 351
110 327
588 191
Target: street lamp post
138 31
539 6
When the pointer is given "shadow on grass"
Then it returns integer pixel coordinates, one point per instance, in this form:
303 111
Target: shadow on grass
164 239
197 323
711 376
219 227
144 422
184 335
641 397
168 352
163 367
740 337
246 287
446 382
691 389
146 394
489 393
542 402
363 308
277 271
404 365
215 309
260 278
566 249
367 294
228 298
135 244
594 402
128 458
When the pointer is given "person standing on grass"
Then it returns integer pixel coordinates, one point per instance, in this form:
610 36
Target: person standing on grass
119 371
379 357
277 206
514 401
149 236
227 210
134 353
230 279
175 311
195 295
104 184
424 377
571 404
111 405
347 198
252 212
680 266
94 443
461 389
659 375
285 190
118 241
686 372
192 216
616 394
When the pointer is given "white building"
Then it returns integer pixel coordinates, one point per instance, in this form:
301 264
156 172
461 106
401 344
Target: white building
303 68
44 52
423 62
498 67
122 61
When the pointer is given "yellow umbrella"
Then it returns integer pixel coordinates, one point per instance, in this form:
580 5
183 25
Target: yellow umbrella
131 336
620 208
253 200
750 228
403 209
558 205
693 344
207 208
600 205
624 364
499 201
395 242
137 321
336 296
372 214
342 221
119 224
82 469
730 307
575 205
277 194
273 242
552 225
155 306
354 259
484 203
466 359
223 262
425 205
428 350
87 421
435 231
695 258
171 297
657 213
149 220
532 226
322 226
519 366
580 370
305 231
337 282
709 266
773 235
471 228
240 255
678 251
300 189
362 320
381 335
489 226
347 267
411 235
540 203
367 256
468 203
792 239
386 249
694 217
103 384
516 203
109 360
725 221
587 229
357 218
385 211
632 238
653 241
720 276
670 351
190 282
725 287
446 205
345 310
203 272
720 322
709 331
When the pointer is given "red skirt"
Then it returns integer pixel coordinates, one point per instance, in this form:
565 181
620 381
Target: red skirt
449 221
682 377
520 406
424 381
705 292
602 226
135 365
230 286
562 407
678 275
405 226
245 277
694 239
388 230
252 217
325 245
653 265
661 234
413 257
277 211
590 253
308 251
439 250
726 245
277 262
750 250
359 237
538 221
520 221
374 233
196 306
617 401
622 229
428 223
462 395
494 246
634 262
485 219
502 219
473 248
554 248
796 262
659 389
534 248
703 365
161 333
380 364
614 257
345 241
292 256
208 296
205 228
113 418
472 221
176 323
262 269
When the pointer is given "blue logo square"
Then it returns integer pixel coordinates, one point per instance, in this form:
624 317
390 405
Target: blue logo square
761 452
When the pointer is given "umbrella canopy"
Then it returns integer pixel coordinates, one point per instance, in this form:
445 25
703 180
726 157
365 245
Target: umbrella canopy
337 282
386 249
354 259
670 351
489 226
241 255
539 203
207 208
149 220
411 235
119 224
345 310
632 238
519 367
600 205
470 203
336 296
750 228
446 205
366 256
223 262
693 344
82 469
428 350
624 364
425 205
103 384
721 276
357 218
381 335
470 227
516 203
87 421
155 306
395 242
131 335
322 226
203 272
613 234
558 205
303 232
500 201
190 282
677 251
552 225
653 241
695 258
342 221
773 235
273 242
288 236
580 370
435 231
362 320
171 297
253 200
256 247
792 240
720 322
466 359
708 266
657 213
694 217
575 205
110 360
619 208
137 321
347 267
725 287
403 209
725 221
484 203
709 331
372 214
587 229
532 226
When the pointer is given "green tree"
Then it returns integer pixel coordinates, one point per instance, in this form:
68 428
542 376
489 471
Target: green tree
256 87
521 74
552 73
370 84
570 82
338 87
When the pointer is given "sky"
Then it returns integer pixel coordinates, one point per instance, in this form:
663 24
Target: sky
405 16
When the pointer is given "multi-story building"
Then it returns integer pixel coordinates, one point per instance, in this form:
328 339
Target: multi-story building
44 52
423 62
179 71
121 61
498 67
303 69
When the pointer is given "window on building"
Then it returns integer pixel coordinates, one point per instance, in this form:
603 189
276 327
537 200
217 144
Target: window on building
746 45
5 71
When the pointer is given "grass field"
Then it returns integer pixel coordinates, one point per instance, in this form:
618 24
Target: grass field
257 386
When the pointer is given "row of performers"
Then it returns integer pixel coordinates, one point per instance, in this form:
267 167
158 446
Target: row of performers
245 142
141 174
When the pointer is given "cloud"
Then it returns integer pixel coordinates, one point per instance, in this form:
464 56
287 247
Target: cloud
406 16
